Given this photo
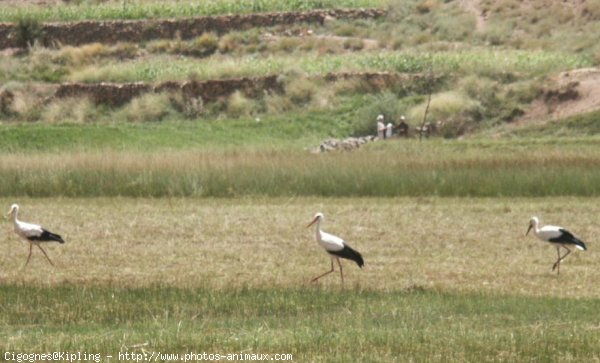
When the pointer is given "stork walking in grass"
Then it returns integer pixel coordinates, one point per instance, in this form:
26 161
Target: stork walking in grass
335 247
32 233
557 236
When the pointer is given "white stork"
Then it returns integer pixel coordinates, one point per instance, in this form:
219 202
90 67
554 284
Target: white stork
335 247
32 233
558 236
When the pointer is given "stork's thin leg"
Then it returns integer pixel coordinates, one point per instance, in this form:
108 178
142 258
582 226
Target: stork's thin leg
45 254
560 258
556 264
28 257
341 271
328 272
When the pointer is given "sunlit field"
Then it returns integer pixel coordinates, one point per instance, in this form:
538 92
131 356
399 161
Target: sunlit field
441 275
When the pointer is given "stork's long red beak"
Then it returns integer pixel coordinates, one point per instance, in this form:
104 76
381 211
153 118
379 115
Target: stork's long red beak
528 229
313 222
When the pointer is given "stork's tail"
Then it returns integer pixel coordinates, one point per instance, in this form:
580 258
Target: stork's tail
353 255
49 236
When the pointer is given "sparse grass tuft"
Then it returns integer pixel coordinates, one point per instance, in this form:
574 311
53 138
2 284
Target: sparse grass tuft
148 107
239 105
70 110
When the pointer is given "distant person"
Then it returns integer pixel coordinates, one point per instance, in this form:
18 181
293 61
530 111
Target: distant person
402 127
380 127
388 130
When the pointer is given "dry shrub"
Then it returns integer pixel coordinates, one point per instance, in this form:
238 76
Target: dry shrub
591 10
352 86
26 100
301 90
189 105
124 51
78 56
239 105
159 46
71 110
229 43
276 103
288 44
346 30
456 111
202 46
6 102
427 6
148 107
323 98
45 65
354 44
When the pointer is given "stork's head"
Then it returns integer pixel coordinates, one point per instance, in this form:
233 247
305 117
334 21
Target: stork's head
318 217
14 209
533 222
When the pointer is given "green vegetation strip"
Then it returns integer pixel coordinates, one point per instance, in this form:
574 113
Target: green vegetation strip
490 63
174 9
153 166
312 324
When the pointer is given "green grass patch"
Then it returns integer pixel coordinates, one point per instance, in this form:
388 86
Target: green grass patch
312 324
394 168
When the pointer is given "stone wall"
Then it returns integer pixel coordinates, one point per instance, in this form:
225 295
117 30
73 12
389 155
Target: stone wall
117 94
82 32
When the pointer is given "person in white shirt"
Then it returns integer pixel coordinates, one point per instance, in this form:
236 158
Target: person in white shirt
388 130
380 127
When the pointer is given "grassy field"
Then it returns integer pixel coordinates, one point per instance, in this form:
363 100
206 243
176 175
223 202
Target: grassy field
469 168
444 279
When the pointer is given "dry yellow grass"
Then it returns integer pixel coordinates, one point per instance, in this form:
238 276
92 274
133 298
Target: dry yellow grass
438 243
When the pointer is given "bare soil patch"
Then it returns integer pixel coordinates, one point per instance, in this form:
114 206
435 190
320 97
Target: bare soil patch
570 93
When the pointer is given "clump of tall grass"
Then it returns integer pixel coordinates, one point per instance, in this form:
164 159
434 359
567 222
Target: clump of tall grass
147 107
91 53
29 30
455 111
239 105
202 46
26 100
70 110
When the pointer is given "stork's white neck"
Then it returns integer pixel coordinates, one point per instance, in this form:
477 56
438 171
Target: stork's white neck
318 229
536 226
13 215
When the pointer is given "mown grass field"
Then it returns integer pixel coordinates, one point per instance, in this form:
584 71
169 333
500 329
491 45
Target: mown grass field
446 279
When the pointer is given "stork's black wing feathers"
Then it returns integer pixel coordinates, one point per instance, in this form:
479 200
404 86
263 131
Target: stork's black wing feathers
567 237
47 236
349 253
